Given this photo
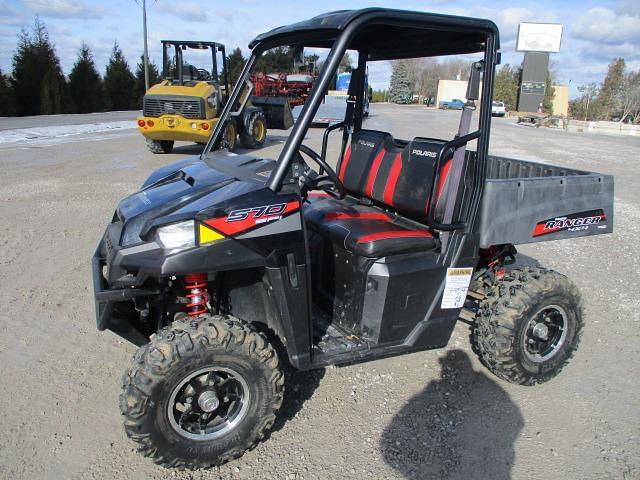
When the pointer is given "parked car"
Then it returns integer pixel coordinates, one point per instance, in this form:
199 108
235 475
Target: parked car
498 109
455 104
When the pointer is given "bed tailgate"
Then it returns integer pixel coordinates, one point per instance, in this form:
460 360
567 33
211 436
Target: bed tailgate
561 203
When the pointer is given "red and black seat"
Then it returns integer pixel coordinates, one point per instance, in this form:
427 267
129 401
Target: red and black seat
389 187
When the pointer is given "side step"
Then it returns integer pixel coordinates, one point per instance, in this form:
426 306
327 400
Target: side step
331 340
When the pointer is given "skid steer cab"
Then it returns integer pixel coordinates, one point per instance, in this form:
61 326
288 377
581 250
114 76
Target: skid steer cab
185 106
365 241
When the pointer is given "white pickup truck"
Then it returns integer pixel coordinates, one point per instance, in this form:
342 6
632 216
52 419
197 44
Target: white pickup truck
498 109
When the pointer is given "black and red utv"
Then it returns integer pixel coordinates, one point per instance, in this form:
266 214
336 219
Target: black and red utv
221 258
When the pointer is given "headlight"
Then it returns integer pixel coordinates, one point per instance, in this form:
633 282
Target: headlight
177 236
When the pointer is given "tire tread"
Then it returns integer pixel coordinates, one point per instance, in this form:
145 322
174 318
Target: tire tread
505 303
169 345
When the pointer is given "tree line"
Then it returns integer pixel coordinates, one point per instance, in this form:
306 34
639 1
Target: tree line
37 85
420 76
616 98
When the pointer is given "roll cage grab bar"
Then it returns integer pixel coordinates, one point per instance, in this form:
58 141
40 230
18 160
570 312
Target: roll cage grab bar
339 47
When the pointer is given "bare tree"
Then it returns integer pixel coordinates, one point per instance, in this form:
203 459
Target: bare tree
589 93
424 73
629 97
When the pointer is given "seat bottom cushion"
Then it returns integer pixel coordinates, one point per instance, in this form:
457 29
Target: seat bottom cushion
365 231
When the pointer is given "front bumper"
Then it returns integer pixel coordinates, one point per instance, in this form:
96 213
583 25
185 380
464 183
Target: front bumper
177 128
108 315
121 274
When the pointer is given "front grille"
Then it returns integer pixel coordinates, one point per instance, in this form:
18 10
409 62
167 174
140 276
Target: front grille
188 107
108 245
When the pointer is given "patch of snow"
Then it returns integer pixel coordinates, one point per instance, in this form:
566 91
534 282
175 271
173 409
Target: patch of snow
60 133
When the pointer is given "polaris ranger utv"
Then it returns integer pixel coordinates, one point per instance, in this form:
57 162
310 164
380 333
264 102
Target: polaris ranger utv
223 266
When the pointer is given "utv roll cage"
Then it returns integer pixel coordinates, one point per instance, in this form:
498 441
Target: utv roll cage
368 31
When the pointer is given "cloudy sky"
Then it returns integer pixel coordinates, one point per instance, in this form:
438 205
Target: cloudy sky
595 30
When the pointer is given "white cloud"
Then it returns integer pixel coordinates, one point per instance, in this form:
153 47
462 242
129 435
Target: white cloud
511 17
63 9
592 38
191 12
13 17
601 24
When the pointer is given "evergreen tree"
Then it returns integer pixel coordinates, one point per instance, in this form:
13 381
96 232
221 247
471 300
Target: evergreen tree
400 86
345 64
37 81
506 86
154 77
6 97
611 87
235 62
276 60
85 85
119 82
52 92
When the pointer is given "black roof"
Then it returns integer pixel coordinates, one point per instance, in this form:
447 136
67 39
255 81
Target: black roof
387 34
192 43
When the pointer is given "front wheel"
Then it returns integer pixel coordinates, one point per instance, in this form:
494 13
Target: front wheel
202 392
528 325
160 146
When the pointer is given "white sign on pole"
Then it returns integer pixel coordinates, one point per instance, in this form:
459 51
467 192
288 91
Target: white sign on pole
539 37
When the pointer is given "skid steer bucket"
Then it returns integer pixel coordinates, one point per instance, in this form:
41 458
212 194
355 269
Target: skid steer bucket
277 111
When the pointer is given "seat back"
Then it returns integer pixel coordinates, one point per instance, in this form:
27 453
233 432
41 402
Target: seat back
399 177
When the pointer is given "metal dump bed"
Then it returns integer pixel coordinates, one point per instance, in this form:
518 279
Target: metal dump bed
525 202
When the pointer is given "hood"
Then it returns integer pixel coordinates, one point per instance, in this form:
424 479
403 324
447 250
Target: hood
197 89
180 190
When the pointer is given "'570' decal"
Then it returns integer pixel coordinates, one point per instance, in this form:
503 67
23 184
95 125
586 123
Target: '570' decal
261 214
244 219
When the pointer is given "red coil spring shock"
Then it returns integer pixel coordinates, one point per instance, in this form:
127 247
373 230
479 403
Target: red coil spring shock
197 294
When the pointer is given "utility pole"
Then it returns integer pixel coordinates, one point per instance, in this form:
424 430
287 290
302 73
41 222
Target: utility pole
146 50
143 4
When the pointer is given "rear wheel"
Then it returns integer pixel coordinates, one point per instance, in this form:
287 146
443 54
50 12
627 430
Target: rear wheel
160 146
254 132
201 392
528 325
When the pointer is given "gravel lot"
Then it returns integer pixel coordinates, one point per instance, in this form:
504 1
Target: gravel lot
429 415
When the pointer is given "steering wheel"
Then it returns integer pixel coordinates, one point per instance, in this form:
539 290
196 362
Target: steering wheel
335 188
203 74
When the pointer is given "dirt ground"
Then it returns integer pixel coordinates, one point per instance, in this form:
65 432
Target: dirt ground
429 415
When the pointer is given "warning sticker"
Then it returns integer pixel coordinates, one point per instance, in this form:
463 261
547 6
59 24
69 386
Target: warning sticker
456 286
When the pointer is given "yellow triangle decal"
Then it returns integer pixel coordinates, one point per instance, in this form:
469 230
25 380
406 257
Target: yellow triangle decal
208 235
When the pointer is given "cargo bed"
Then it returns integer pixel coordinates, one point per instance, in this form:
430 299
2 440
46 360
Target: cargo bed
525 202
